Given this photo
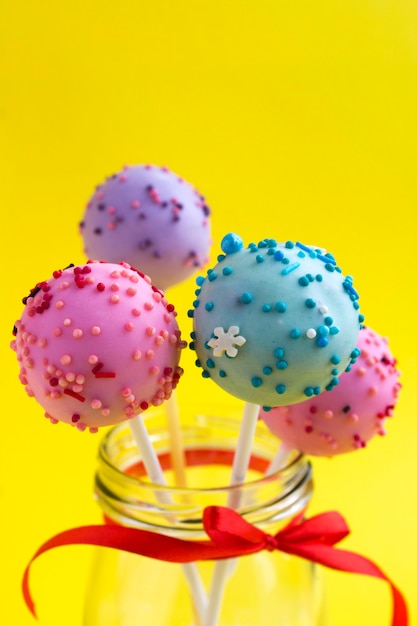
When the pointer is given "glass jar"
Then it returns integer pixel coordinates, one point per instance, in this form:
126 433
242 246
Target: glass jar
266 588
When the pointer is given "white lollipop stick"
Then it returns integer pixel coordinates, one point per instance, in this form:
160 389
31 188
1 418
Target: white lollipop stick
156 475
240 466
279 460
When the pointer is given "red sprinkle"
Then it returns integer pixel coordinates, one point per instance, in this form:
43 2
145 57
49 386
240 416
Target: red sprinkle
101 286
105 375
74 395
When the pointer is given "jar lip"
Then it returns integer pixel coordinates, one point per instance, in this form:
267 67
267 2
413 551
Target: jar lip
289 466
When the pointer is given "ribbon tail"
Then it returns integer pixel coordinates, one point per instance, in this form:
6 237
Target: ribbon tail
345 561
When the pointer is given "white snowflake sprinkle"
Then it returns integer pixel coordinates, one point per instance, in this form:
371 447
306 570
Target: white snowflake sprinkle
226 341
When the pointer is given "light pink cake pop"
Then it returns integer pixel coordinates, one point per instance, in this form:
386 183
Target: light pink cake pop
97 344
347 417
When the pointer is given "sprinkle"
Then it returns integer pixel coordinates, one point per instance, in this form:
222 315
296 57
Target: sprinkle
281 307
256 381
73 394
66 359
311 333
114 299
290 268
137 354
77 333
231 243
95 330
280 389
246 298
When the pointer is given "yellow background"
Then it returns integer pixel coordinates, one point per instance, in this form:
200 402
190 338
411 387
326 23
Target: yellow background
297 120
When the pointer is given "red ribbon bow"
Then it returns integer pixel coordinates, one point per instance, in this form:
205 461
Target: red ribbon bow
232 536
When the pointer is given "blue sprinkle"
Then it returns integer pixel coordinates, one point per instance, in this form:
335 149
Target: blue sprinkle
309 391
222 374
310 303
322 342
211 275
334 330
221 257
231 243
192 334
319 278
281 365
260 258
328 320
303 281
271 243
305 248
196 303
200 280
289 244
267 408
262 244
190 313
356 305
205 374
191 345
281 307
256 381
327 258
279 353
317 391
355 353
310 278
285 260
267 370
209 306
335 360
335 372
246 297
210 363
197 292
329 267
334 381
280 389
278 256
271 251
206 345
290 268
295 333
198 363
227 271
323 331
301 254
266 308
361 318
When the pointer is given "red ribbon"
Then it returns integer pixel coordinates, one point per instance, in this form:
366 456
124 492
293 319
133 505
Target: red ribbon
232 536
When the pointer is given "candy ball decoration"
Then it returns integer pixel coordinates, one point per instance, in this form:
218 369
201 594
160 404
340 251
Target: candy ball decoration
97 344
151 218
275 323
350 415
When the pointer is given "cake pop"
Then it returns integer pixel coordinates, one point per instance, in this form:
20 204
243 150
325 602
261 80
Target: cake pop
349 416
97 344
151 218
275 323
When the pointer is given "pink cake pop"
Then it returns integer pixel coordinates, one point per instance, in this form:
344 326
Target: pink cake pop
347 417
97 344
151 218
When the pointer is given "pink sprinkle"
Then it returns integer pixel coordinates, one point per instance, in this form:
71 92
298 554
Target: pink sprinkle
154 370
115 287
126 391
122 178
114 299
137 354
80 379
93 429
96 330
148 306
328 414
373 390
129 326
157 296
135 204
57 332
59 304
159 341
150 331
131 291
93 359
136 312
77 333
361 371
111 210
96 403
67 322
66 359
111 225
149 354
